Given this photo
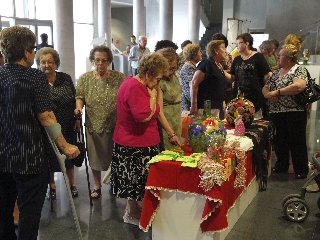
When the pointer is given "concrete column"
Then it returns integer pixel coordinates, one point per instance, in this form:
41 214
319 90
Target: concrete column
194 20
104 20
228 12
138 18
166 19
63 32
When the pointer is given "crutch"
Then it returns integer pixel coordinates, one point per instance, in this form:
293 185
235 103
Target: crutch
61 159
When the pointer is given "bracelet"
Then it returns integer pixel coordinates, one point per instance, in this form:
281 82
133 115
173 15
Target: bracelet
171 135
279 92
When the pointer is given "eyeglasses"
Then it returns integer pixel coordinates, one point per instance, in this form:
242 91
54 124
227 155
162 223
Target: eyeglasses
43 63
237 44
98 60
32 48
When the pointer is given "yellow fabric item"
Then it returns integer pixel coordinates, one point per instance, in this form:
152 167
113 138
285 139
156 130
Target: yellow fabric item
235 53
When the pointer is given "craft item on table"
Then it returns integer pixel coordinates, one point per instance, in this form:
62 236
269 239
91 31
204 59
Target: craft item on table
239 129
229 165
240 168
206 131
211 173
245 143
238 105
167 155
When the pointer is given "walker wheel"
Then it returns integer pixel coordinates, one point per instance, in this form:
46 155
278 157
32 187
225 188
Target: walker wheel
296 210
286 198
318 202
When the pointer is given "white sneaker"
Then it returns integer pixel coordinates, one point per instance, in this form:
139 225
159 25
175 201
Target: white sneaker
313 188
131 220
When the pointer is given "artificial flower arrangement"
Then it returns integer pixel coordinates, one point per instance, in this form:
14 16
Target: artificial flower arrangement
241 106
206 132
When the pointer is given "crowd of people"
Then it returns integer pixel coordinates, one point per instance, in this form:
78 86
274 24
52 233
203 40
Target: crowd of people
129 119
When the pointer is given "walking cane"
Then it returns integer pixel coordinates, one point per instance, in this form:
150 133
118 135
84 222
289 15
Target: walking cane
79 117
61 159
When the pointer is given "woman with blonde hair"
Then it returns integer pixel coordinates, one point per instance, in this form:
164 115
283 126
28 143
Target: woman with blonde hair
209 81
289 118
192 54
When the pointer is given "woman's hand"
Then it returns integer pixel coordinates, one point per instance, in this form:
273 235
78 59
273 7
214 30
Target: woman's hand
193 110
174 140
153 93
77 125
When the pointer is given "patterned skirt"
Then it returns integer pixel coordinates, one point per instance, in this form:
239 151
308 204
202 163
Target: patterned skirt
129 170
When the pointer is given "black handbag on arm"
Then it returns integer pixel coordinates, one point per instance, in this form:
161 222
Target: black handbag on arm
310 94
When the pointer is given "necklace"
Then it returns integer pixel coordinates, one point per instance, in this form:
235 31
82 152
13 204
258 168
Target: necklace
220 67
248 56
102 90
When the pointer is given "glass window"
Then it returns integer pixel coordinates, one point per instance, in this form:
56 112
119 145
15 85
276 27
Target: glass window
83 35
19 8
31 9
6 8
44 9
82 11
47 30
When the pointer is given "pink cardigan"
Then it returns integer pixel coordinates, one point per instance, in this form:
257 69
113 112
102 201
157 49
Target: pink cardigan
133 106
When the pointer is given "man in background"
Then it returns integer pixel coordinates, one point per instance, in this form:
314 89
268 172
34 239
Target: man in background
44 41
136 53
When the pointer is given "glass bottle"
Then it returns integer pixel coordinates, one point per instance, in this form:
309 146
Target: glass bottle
207 108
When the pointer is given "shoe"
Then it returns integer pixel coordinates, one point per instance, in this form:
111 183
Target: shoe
53 194
277 170
313 188
301 176
96 193
130 220
74 191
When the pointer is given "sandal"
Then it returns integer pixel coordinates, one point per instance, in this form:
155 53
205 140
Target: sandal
74 191
96 193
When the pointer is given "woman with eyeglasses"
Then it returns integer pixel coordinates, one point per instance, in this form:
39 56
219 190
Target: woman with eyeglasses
62 94
136 136
97 90
170 93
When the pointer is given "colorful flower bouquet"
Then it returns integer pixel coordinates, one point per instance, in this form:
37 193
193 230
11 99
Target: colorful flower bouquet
240 106
206 132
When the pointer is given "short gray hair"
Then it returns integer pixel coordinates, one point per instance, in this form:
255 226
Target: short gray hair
45 51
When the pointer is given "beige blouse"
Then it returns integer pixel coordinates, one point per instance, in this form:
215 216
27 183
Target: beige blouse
99 97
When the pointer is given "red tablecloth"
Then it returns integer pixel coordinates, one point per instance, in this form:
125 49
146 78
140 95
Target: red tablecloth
169 175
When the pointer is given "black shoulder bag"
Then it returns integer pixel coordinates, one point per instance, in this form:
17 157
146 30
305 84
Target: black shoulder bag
310 94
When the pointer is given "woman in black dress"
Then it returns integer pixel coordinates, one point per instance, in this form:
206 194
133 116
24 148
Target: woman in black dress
63 100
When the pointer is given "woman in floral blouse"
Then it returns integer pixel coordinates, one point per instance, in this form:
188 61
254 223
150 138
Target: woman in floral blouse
289 118
192 54
97 91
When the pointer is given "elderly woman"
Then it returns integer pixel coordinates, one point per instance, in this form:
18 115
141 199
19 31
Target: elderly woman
171 95
97 90
25 111
266 48
289 118
192 54
136 136
63 99
209 81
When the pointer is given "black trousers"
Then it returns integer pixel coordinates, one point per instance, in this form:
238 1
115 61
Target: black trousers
31 191
290 137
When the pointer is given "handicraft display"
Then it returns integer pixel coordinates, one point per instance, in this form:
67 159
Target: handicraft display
240 106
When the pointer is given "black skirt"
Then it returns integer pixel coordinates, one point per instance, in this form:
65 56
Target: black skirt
129 170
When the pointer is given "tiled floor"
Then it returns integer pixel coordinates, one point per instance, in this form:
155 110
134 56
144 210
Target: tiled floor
261 221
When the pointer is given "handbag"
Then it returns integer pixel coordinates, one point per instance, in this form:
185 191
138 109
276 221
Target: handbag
310 94
79 142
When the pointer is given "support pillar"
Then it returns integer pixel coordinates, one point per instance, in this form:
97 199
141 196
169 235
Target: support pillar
194 20
166 19
138 18
63 32
104 20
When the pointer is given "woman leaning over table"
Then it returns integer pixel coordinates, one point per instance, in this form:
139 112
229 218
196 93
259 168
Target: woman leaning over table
170 92
62 97
136 136
96 90
209 81
289 118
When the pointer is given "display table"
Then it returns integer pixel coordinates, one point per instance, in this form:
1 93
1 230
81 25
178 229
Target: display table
169 180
